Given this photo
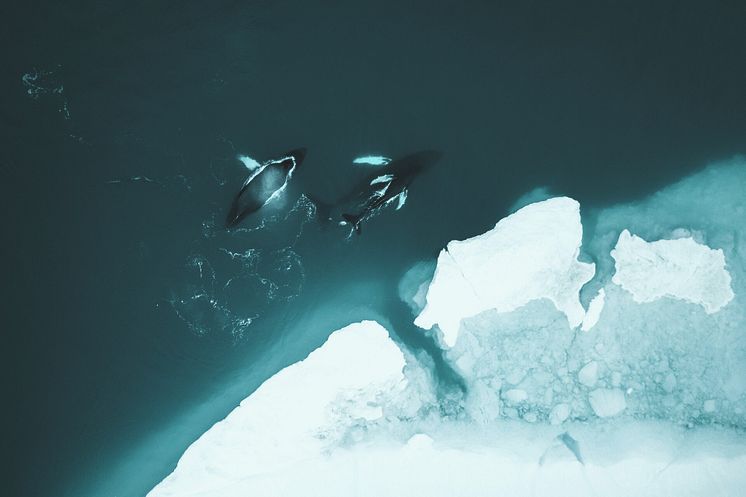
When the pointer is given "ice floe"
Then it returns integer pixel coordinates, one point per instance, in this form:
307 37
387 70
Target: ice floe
607 402
303 411
680 268
529 255
594 311
319 427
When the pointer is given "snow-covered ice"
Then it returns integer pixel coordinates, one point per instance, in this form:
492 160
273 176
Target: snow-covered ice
559 414
680 268
333 425
299 413
529 255
644 361
595 308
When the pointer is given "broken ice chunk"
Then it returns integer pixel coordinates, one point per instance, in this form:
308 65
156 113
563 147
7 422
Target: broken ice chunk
515 396
669 383
559 414
682 269
594 311
607 402
589 374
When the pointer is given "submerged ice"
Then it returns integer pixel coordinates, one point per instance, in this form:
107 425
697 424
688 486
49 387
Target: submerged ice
610 362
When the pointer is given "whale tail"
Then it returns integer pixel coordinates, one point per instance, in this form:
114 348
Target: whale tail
353 221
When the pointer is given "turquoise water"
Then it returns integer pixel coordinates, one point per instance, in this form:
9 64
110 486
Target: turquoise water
121 123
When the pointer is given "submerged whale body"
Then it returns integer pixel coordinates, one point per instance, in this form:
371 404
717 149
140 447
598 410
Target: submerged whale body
265 184
391 183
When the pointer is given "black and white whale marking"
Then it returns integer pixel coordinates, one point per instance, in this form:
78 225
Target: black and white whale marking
266 182
391 183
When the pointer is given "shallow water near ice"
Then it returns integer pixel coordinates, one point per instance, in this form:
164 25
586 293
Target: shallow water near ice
135 321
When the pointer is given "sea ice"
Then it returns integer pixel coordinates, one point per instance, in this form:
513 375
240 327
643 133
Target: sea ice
334 425
650 395
588 376
515 396
607 402
657 355
594 311
305 409
680 268
559 414
529 255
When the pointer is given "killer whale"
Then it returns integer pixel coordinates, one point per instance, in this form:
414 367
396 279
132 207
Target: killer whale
264 184
389 184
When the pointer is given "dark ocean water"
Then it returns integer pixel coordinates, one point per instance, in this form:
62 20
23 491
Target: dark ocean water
120 122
